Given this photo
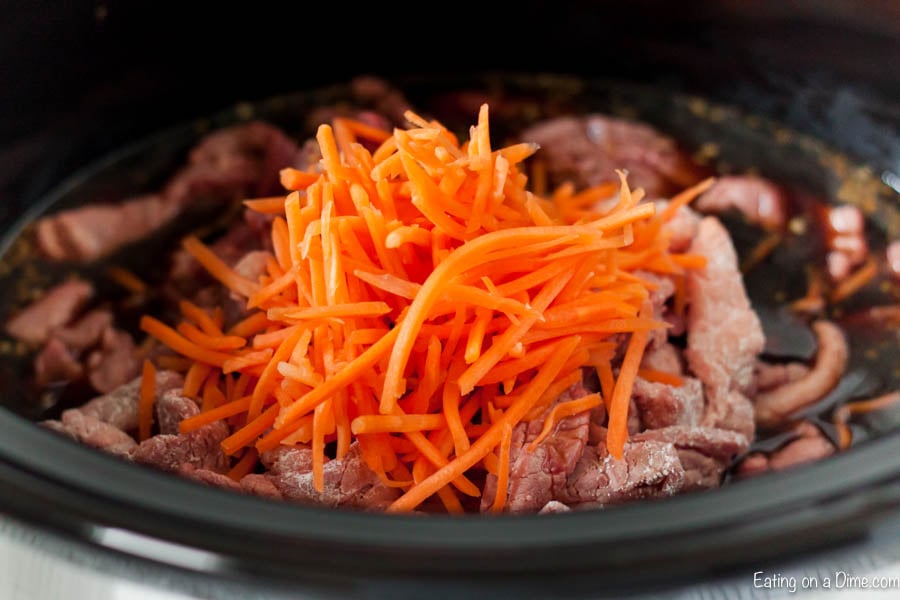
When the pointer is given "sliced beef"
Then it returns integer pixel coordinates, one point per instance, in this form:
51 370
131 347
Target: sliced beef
93 432
663 405
759 200
663 288
648 469
704 452
724 334
200 448
115 362
767 376
809 444
86 331
235 162
775 405
56 363
172 408
535 477
588 150
91 232
665 357
260 485
56 308
211 478
892 255
119 407
349 482
846 236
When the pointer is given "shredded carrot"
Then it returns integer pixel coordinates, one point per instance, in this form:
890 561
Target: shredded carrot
244 466
217 268
660 377
199 316
127 279
217 342
413 287
761 251
560 412
855 282
193 380
293 179
396 423
618 407
268 206
148 396
503 470
250 359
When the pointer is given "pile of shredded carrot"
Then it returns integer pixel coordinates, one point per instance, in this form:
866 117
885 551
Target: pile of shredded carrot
422 300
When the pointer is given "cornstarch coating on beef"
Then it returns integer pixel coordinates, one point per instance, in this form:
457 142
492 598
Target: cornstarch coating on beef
119 407
349 482
663 405
724 335
200 448
648 469
93 432
536 477
172 408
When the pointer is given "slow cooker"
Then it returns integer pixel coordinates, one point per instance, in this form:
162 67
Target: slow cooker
86 81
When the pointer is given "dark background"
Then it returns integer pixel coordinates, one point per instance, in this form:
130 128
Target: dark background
79 78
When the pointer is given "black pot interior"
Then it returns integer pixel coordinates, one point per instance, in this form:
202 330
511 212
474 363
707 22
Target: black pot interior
818 498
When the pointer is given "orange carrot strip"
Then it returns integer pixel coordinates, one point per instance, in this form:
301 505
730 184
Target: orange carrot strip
660 377
174 363
200 317
235 407
477 370
268 378
560 412
487 442
217 268
244 466
272 289
148 397
127 279
684 198
340 380
618 408
396 423
245 435
503 469
267 206
249 326
295 180
194 379
855 282
335 311
250 359
218 342
183 346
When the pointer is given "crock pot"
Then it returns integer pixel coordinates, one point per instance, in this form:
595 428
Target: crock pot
89 79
